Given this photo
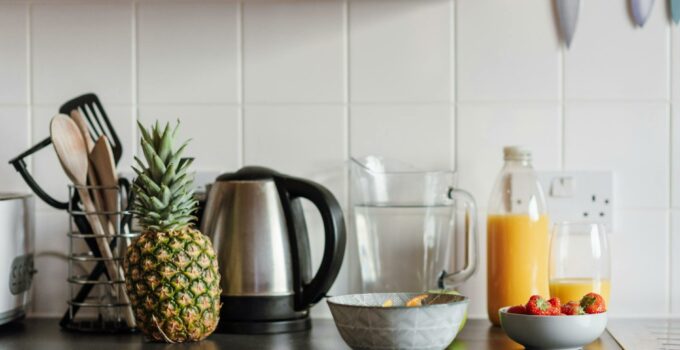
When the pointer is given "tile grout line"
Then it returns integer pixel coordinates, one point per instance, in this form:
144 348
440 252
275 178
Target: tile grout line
135 75
351 264
562 104
241 81
29 112
669 214
454 83
29 77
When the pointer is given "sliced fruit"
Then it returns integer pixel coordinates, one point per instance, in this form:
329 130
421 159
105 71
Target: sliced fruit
416 300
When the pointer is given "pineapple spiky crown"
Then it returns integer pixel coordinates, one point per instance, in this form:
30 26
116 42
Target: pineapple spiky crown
164 199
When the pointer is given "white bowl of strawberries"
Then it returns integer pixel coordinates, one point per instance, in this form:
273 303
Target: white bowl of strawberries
547 324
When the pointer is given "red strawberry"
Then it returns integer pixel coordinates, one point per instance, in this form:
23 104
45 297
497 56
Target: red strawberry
556 305
593 303
572 308
519 309
541 307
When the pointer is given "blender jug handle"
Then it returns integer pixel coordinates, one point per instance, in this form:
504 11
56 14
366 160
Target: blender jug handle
471 256
334 242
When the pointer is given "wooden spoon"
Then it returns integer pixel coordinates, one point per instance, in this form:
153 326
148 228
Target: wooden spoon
101 160
72 153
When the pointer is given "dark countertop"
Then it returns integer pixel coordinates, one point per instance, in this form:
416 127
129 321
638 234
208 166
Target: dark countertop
44 333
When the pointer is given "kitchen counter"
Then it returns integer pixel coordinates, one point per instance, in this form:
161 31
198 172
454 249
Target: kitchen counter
42 333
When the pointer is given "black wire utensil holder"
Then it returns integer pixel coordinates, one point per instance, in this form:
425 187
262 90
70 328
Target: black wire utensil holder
98 301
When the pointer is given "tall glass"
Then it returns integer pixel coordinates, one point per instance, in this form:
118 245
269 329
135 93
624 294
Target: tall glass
579 261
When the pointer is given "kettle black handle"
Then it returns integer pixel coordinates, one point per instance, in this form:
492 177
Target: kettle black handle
335 237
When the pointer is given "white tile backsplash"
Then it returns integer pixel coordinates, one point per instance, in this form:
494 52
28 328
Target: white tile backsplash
610 58
640 268
79 48
293 51
213 130
400 51
483 130
630 138
13 53
188 52
299 85
308 141
507 50
421 135
16 137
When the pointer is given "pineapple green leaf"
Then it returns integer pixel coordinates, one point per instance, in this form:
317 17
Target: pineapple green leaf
165 143
163 186
145 134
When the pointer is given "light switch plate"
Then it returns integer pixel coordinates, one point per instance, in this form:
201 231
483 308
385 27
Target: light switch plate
579 196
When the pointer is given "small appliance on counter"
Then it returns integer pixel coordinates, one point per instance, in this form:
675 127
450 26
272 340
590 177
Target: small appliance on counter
255 220
416 230
16 255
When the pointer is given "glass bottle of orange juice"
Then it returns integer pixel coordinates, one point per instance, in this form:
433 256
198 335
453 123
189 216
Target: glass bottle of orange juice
518 242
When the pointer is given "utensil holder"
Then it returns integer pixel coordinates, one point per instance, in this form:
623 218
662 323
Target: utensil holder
97 302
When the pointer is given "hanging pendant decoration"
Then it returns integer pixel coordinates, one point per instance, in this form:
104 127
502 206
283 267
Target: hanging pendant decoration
675 11
567 15
641 10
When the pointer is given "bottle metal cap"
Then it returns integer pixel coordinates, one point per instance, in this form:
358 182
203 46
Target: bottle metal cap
516 153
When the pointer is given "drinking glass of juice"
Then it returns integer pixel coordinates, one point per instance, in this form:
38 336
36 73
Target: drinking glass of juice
579 261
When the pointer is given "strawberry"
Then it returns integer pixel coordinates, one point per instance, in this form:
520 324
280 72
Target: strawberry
556 305
593 303
572 308
541 307
518 309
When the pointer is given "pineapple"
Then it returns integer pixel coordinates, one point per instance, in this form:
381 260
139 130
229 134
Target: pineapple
171 271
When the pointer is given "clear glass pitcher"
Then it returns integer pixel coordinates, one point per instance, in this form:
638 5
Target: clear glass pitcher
406 223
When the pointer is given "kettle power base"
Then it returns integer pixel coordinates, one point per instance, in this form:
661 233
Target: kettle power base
264 327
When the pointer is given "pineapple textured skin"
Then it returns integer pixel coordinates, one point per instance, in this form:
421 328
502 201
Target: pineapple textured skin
173 283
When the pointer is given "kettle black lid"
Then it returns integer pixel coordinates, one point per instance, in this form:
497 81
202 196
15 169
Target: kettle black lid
250 173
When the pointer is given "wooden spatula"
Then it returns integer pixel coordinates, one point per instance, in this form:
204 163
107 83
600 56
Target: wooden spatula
101 159
91 174
72 153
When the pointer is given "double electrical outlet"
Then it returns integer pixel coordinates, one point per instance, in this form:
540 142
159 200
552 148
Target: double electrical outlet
579 196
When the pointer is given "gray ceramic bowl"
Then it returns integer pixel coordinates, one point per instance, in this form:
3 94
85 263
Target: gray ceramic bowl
553 332
365 324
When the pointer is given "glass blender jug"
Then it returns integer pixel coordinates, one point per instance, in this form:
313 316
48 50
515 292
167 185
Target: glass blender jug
407 224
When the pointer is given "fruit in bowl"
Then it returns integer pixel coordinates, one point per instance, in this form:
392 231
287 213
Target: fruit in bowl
547 324
429 321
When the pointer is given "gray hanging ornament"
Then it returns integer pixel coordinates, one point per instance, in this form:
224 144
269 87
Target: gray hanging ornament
675 10
641 10
567 15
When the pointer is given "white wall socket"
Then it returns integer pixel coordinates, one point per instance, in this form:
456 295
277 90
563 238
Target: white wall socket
579 196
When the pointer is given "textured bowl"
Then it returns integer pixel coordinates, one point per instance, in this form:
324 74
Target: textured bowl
365 324
553 332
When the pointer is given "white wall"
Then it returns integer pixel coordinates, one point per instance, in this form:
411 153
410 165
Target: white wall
301 85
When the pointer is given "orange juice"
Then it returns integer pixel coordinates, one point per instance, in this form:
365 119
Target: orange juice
568 289
517 254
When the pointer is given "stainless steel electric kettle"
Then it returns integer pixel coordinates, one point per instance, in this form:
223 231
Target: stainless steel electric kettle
255 220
